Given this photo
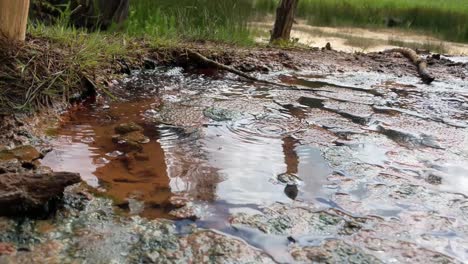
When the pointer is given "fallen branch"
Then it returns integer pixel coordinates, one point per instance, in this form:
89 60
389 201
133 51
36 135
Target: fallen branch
420 63
197 56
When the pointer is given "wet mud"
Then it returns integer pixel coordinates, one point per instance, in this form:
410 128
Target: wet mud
353 167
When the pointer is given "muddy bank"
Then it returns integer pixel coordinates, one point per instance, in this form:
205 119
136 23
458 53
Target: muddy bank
363 164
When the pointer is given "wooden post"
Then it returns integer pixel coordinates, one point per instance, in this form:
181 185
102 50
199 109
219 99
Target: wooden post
284 20
13 19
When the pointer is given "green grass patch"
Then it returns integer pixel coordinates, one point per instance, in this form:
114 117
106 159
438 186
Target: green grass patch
220 20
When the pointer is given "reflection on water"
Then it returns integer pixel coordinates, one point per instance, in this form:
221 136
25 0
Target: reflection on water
85 145
455 178
230 164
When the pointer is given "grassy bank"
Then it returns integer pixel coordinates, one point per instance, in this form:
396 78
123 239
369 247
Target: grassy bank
56 64
59 62
446 19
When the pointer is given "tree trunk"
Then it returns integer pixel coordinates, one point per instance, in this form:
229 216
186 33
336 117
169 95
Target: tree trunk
284 20
13 19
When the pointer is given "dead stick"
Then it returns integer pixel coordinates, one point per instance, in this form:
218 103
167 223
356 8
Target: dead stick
218 65
419 62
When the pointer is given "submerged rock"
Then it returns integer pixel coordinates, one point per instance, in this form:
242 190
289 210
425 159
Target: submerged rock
127 128
129 137
32 194
130 141
220 114
134 136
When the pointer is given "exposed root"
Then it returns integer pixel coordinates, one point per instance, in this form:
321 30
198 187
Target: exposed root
420 63
197 56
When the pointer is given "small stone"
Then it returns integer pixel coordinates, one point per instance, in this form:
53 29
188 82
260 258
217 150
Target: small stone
43 170
186 212
289 178
13 165
152 256
220 114
291 191
434 179
126 128
7 249
179 201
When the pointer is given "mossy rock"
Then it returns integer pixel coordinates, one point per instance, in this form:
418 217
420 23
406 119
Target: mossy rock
127 128
22 153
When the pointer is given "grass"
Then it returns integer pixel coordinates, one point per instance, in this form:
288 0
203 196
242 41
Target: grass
220 20
446 19
55 64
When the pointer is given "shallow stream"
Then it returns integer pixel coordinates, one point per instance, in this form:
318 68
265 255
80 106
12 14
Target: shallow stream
241 158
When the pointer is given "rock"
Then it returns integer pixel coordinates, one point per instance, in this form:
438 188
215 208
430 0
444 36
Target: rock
32 194
178 201
23 153
186 212
131 141
333 251
127 128
43 169
7 249
291 191
434 178
289 178
436 56
12 165
219 114
135 136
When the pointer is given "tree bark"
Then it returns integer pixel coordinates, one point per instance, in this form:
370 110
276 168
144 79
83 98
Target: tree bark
284 20
13 19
